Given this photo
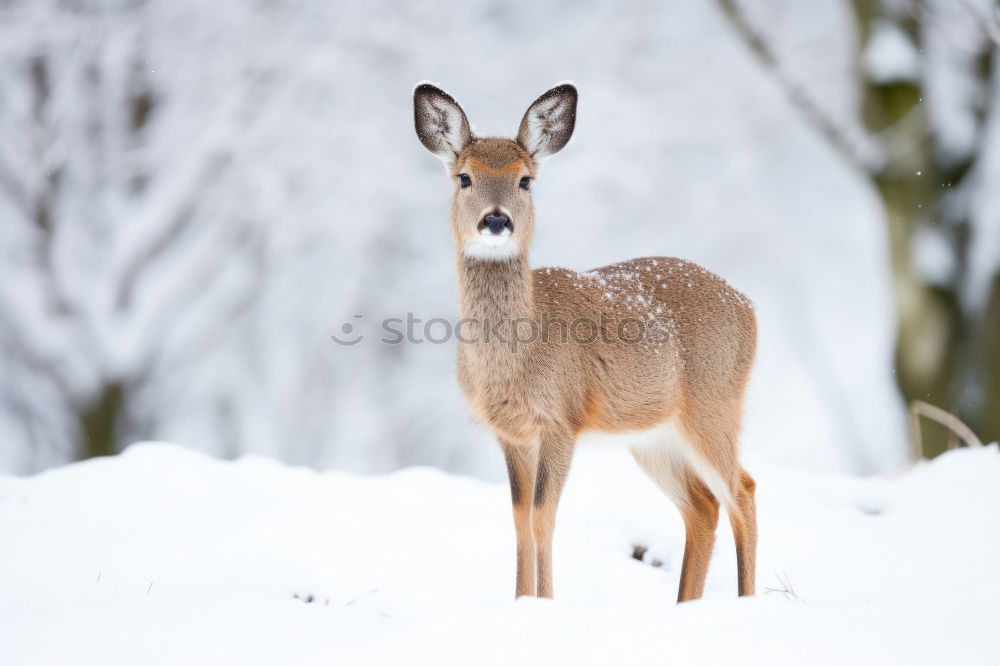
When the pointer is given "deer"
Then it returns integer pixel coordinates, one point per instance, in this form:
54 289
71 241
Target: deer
654 352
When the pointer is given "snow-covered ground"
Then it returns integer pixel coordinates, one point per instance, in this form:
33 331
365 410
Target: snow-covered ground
167 556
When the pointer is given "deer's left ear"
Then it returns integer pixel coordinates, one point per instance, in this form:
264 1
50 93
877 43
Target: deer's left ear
548 123
440 122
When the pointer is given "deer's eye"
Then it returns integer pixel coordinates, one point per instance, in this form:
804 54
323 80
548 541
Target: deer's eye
526 182
464 180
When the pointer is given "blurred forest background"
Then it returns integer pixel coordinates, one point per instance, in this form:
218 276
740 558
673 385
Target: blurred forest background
195 195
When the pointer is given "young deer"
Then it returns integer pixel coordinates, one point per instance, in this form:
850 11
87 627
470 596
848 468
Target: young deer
655 350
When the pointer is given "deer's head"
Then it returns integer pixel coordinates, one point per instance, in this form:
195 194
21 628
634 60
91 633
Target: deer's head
492 215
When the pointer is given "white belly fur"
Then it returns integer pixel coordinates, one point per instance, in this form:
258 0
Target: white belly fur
667 457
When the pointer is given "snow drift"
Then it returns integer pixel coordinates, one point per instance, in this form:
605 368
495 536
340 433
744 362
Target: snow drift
165 556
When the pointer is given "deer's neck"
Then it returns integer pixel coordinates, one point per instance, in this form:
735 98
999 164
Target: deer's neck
495 291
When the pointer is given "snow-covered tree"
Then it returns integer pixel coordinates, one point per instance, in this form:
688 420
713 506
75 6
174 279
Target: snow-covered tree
113 277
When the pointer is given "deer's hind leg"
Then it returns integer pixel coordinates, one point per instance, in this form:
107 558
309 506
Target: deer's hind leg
712 433
743 518
695 463
666 463
701 517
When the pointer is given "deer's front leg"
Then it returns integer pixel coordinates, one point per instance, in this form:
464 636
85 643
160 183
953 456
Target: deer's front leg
522 460
554 456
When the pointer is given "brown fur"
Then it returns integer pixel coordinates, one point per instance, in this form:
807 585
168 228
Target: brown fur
688 369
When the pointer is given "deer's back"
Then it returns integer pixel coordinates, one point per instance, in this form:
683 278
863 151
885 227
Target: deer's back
666 330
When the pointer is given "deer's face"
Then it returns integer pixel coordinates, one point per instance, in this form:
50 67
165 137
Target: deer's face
491 210
492 215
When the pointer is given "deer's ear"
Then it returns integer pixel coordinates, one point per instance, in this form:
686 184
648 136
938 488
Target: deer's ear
548 123
440 122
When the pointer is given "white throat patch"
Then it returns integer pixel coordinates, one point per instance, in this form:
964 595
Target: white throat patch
491 247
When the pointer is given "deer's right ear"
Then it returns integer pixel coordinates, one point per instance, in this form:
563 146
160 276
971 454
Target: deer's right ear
440 122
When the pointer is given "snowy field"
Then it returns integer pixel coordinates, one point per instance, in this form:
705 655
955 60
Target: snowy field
167 556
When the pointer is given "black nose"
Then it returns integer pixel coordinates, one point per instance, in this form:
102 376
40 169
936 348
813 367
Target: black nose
496 223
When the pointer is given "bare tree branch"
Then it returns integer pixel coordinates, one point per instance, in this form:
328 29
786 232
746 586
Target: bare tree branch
811 112
920 408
